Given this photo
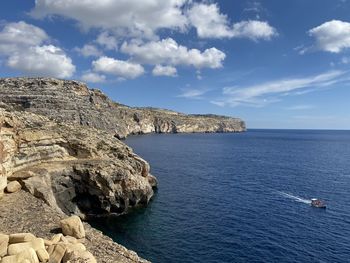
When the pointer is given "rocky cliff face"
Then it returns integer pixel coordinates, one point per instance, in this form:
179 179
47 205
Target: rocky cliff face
72 101
60 140
82 171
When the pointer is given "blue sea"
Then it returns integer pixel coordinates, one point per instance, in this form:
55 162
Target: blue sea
242 198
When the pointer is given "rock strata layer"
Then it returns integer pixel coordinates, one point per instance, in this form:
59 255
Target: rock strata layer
75 170
59 141
72 101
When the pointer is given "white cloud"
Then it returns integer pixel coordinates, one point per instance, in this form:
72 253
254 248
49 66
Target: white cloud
265 93
120 68
42 61
332 36
93 77
107 41
131 17
23 47
169 52
15 36
88 51
192 93
210 23
160 70
254 30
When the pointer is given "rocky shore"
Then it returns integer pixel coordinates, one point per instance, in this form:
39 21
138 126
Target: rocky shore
60 143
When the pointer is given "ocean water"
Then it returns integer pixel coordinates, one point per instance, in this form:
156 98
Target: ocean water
242 198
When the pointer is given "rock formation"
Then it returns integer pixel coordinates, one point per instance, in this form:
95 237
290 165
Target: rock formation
59 141
75 170
72 101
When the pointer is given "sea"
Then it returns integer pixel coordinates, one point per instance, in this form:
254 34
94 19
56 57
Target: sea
242 197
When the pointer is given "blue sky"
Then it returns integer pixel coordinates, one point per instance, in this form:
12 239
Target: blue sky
276 64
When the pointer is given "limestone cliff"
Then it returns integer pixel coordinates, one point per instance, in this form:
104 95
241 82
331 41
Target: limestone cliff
60 140
74 170
72 101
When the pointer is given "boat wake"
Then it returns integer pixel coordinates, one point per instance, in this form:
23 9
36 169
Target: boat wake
295 198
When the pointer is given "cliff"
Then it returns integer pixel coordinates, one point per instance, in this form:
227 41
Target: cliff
60 141
73 102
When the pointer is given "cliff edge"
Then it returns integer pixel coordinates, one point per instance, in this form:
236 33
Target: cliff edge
74 102
59 142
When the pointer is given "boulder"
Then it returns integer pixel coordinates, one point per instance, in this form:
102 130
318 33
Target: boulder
78 256
71 240
27 255
21 237
43 255
36 244
13 187
72 226
56 253
3 183
56 238
4 241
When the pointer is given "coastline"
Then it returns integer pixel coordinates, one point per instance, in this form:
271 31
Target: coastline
59 141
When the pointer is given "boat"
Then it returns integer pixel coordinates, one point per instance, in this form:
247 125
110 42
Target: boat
317 203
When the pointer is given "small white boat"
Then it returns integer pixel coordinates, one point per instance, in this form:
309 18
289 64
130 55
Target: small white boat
317 203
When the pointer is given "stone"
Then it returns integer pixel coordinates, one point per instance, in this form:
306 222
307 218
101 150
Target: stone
13 187
71 239
75 247
78 256
56 238
20 175
72 226
43 255
36 244
48 243
21 237
27 254
4 241
57 253
3 182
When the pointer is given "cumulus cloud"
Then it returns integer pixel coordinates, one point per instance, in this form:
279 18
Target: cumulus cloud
160 70
132 17
265 93
120 68
88 51
93 77
254 30
42 61
210 23
107 41
332 36
143 19
169 52
23 46
15 36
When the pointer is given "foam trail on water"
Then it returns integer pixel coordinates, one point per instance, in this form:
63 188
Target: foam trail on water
295 198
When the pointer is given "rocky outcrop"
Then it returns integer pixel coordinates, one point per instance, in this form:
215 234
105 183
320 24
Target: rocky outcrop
59 141
81 171
25 247
72 101
21 212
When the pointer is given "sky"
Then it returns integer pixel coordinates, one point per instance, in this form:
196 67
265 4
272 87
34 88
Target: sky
273 63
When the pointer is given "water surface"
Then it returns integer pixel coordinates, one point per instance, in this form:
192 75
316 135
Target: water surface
242 198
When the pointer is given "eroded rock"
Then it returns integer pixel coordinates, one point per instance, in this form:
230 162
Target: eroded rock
13 187
72 226
21 237
4 241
